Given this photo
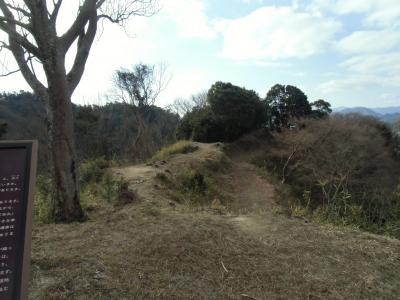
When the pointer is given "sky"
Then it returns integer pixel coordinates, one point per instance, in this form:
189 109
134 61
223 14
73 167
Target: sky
344 51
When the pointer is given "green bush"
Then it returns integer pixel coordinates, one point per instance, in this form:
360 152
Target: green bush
196 185
194 181
239 110
113 189
201 125
108 187
93 170
286 103
42 203
231 112
97 184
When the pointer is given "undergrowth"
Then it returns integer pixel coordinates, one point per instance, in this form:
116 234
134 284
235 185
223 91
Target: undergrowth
181 147
196 184
343 212
98 186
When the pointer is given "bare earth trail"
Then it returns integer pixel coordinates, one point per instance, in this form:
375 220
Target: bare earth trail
254 198
250 192
158 249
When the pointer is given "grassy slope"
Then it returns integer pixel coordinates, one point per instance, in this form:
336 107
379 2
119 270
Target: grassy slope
157 249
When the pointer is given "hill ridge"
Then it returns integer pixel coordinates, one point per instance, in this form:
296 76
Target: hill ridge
156 248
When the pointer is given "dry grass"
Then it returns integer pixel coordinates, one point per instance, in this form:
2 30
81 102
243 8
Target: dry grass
137 254
157 249
181 147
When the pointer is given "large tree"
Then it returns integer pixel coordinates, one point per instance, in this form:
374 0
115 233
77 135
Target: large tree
31 27
239 109
285 103
230 112
321 108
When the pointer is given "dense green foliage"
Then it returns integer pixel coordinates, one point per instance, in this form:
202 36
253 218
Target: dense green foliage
286 103
230 112
321 108
239 110
200 125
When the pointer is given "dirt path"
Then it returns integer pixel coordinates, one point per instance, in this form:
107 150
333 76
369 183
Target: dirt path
250 192
309 257
153 250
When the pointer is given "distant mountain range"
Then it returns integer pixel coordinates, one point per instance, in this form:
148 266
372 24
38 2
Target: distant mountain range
386 114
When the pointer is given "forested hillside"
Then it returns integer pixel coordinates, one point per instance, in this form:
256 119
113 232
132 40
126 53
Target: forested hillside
115 130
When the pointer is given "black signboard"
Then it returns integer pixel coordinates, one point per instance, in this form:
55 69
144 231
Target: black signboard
17 176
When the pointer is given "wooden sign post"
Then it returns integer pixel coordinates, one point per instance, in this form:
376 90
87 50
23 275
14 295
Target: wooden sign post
17 182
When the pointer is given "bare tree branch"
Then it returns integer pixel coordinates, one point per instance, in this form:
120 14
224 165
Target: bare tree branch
29 59
16 22
85 13
119 12
19 9
84 44
32 80
10 28
54 14
9 73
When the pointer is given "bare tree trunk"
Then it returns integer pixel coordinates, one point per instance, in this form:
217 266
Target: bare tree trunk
66 196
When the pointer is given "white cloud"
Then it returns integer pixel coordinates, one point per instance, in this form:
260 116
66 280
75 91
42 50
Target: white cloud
385 64
347 84
276 33
190 18
366 72
372 41
358 83
384 13
376 55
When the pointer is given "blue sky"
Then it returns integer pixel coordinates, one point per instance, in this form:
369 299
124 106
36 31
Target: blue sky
344 51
